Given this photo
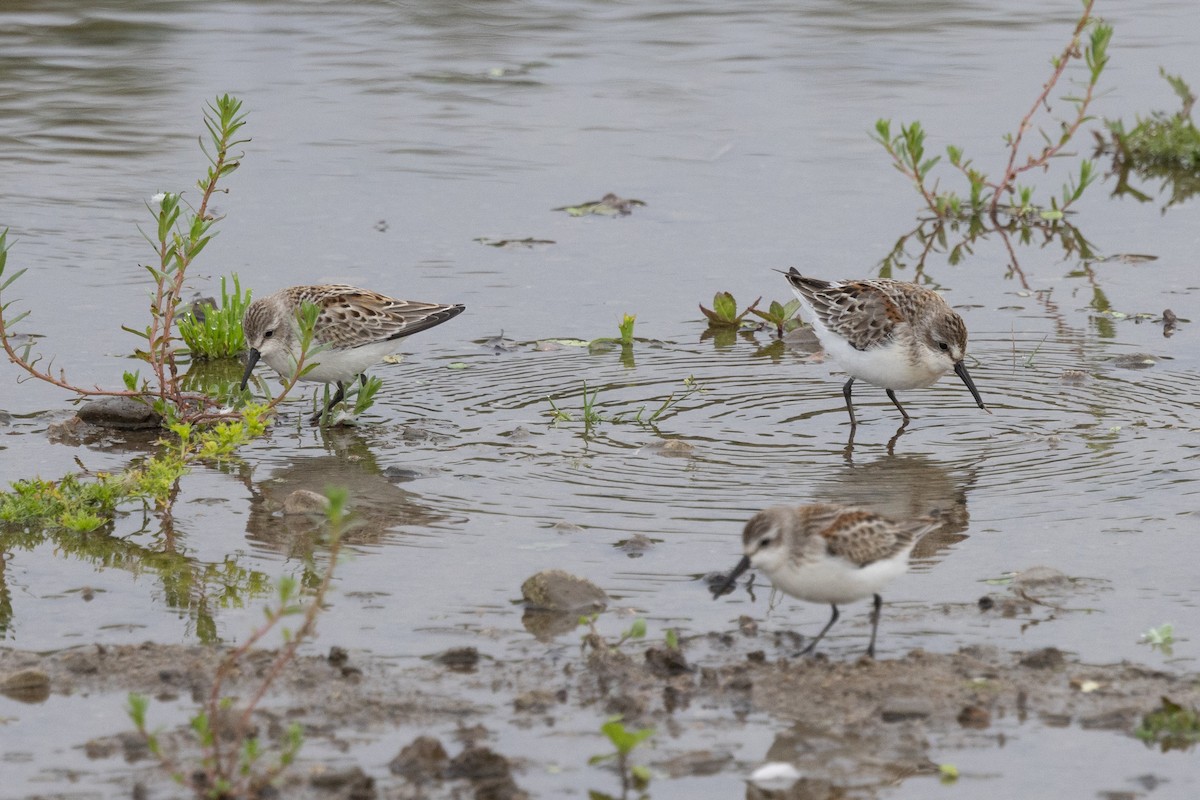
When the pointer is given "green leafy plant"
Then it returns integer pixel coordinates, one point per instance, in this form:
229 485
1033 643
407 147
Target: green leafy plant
233 761
1171 726
1089 43
625 741
1161 146
216 332
84 503
724 313
180 234
782 315
1160 638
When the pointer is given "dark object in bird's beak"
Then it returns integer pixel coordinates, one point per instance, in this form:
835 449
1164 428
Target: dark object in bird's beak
252 359
726 586
960 369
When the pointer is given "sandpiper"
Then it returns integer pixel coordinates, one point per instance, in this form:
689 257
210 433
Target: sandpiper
355 329
828 553
891 334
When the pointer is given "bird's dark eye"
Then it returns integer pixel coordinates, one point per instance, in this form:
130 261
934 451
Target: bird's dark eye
271 333
763 543
943 346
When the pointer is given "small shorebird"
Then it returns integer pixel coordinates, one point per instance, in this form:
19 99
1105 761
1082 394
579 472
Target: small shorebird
827 553
355 329
891 334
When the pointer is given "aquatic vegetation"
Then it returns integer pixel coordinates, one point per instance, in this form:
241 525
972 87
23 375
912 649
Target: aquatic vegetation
85 503
1171 726
1161 146
625 741
784 316
724 313
608 206
216 331
1161 637
234 762
591 415
181 232
991 196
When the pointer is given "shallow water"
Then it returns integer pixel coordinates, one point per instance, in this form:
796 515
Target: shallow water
388 137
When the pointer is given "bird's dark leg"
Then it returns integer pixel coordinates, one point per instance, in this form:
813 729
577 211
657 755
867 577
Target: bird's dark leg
338 396
828 625
892 396
874 625
849 405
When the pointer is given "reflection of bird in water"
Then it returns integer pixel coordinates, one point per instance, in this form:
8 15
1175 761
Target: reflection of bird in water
378 505
907 487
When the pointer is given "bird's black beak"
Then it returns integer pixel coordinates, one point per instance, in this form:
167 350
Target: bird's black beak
252 359
960 369
726 586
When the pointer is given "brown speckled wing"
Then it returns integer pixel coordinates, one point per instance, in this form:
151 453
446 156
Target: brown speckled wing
863 537
862 312
350 316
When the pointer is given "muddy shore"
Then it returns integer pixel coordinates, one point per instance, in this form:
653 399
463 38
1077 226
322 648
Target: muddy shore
850 727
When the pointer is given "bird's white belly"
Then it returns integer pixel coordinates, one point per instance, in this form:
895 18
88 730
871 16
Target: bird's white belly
835 580
887 366
332 365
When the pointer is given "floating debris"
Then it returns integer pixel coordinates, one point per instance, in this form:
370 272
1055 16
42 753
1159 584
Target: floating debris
1169 321
1135 361
608 206
528 241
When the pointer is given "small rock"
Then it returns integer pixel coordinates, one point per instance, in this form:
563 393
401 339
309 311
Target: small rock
556 590
351 781
667 661
562 526
974 717
747 625
536 701
775 775
26 685
1135 361
422 760
303 501
635 545
478 764
696 763
1046 658
337 656
671 448
121 413
899 709
460 659
1040 579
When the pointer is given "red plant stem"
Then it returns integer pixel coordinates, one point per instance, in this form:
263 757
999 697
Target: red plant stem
1011 171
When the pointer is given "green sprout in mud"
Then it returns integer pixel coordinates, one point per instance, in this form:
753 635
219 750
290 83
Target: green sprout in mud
595 640
991 196
1171 726
625 741
233 761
